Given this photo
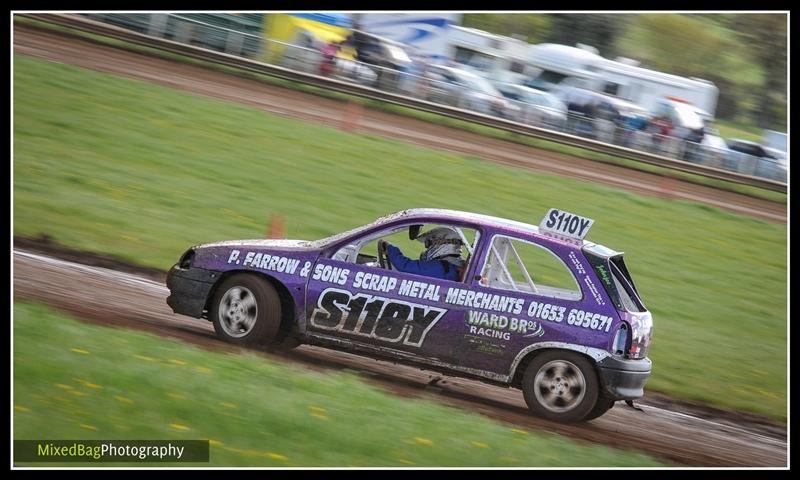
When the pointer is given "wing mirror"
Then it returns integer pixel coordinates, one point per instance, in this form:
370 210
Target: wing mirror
413 231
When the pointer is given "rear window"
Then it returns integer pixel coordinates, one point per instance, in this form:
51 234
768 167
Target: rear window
617 281
526 267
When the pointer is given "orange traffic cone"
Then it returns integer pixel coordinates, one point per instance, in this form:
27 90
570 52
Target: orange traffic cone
276 227
352 114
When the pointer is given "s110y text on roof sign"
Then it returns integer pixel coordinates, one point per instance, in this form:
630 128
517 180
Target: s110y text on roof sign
565 224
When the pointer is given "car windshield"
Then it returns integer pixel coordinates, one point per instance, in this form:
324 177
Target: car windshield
541 99
555 103
536 99
715 141
323 242
687 116
477 83
775 140
398 54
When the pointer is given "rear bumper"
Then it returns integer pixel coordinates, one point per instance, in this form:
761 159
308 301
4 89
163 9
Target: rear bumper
189 289
623 379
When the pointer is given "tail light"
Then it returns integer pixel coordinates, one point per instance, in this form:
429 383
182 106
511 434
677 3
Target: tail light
641 333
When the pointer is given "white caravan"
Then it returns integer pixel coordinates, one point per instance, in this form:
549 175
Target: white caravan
495 57
427 33
582 66
438 37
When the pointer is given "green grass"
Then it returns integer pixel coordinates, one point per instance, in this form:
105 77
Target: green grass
422 115
76 381
140 171
730 130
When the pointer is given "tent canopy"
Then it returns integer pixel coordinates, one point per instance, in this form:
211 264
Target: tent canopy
335 19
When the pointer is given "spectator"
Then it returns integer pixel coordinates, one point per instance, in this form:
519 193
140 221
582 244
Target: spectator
635 126
662 129
329 51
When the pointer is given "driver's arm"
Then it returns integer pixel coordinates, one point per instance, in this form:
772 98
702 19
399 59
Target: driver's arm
407 265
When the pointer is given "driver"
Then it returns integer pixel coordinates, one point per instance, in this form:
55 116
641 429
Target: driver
440 259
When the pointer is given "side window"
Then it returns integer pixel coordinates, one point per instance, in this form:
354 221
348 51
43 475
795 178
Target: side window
611 88
364 251
517 67
522 266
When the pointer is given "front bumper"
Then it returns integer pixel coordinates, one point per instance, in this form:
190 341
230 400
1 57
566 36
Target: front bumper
624 379
189 289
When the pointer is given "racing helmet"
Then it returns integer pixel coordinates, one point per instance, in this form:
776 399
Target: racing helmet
441 243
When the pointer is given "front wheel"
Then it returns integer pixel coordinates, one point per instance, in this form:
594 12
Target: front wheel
561 385
246 310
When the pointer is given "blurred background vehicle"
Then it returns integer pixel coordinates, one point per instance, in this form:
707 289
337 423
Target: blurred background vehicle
775 143
601 116
686 122
752 158
714 150
389 58
537 107
685 128
355 71
464 89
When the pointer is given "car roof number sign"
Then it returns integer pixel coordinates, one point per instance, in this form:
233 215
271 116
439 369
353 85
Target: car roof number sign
565 224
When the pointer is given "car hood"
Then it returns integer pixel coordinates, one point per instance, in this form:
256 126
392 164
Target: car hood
279 244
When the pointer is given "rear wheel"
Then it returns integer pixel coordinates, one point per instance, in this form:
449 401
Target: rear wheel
246 310
560 385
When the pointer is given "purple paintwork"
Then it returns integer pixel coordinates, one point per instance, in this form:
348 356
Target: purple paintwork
450 342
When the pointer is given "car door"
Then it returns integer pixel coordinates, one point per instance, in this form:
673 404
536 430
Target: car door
364 305
529 291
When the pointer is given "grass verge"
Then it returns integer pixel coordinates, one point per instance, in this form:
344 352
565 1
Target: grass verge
78 381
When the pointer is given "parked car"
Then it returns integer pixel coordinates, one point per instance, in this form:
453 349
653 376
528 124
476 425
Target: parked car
464 89
356 71
536 307
776 141
713 147
687 122
598 115
752 158
750 148
388 58
536 107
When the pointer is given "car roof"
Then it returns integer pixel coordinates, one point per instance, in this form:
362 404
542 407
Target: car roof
457 215
462 71
521 87
436 214
745 142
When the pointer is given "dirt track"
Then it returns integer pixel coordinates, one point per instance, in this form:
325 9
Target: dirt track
59 48
673 432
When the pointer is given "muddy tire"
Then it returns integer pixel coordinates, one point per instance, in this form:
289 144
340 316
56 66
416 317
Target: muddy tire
560 385
246 310
602 406
288 343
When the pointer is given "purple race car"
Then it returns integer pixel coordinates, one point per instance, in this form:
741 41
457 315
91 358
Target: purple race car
537 308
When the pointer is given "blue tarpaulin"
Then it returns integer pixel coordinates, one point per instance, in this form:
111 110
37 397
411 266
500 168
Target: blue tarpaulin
337 19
